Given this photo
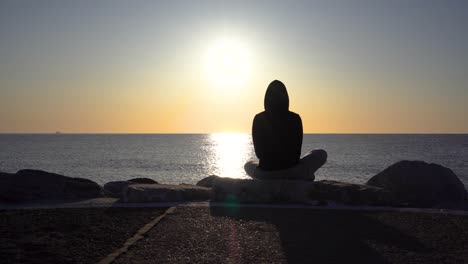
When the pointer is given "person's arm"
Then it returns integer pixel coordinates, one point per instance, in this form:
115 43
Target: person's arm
257 137
299 136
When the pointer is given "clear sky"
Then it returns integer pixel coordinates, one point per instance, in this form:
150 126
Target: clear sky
203 66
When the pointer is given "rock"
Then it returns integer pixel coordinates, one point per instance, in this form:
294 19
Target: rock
207 181
296 191
143 181
115 188
141 193
5 174
420 184
352 194
32 185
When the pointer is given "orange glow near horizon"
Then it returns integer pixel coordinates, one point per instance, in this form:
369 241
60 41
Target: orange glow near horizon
108 68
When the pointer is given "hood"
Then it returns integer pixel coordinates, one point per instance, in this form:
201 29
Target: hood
276 97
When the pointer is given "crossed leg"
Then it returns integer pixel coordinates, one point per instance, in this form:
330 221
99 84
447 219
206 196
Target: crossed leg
305 169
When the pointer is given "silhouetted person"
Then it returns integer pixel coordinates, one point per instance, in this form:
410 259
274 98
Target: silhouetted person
277 138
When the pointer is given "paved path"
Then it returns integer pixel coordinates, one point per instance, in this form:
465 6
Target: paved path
214 233
198 234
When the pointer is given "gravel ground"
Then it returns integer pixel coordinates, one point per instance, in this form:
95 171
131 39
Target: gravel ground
272 235
68 235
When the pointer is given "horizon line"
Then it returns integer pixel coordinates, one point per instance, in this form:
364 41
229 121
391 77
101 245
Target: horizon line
205 133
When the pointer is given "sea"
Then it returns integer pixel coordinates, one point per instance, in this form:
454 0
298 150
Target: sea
187 158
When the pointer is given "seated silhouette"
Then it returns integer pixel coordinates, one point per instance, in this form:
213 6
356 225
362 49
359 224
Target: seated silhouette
277 137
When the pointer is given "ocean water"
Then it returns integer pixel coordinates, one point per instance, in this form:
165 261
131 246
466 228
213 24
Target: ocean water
187 158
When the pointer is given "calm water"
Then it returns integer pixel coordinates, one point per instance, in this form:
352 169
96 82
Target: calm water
186 158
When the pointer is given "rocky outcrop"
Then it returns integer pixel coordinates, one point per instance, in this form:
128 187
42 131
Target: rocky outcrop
143 181
207 181
32 185
421 184
115 189
143 193
292 191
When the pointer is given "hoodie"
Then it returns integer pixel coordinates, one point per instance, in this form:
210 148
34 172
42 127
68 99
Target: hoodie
277 132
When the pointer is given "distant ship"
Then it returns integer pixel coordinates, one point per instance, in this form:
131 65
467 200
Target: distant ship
58 132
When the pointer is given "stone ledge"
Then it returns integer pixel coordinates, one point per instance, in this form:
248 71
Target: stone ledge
352 194
259 191
141 193
290 191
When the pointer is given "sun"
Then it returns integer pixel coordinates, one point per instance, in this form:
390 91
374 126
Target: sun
228 63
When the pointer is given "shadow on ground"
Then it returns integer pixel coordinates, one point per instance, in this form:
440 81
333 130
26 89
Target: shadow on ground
323 236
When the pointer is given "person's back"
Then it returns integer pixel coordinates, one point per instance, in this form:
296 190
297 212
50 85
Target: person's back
277 132
277 138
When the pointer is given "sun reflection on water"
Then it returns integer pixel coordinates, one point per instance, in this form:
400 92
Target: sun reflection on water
229 152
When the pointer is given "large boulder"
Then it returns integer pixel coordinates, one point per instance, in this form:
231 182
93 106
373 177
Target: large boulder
142 193
296 191
207 181
32 185
143 181
421 184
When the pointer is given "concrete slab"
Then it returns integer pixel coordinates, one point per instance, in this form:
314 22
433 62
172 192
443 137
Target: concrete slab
142 193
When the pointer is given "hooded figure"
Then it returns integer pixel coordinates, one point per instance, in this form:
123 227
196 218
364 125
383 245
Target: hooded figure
277 132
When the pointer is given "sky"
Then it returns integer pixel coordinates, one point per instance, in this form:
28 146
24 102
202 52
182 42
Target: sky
203 66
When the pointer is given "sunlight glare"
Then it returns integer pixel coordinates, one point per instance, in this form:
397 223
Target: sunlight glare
230 152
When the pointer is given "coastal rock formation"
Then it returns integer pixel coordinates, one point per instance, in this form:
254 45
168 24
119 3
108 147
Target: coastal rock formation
116 188
207 181
141 193
420 184
143 181
287 191
32 185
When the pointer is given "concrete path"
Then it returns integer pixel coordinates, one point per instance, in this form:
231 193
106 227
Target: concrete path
204 232
200 234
